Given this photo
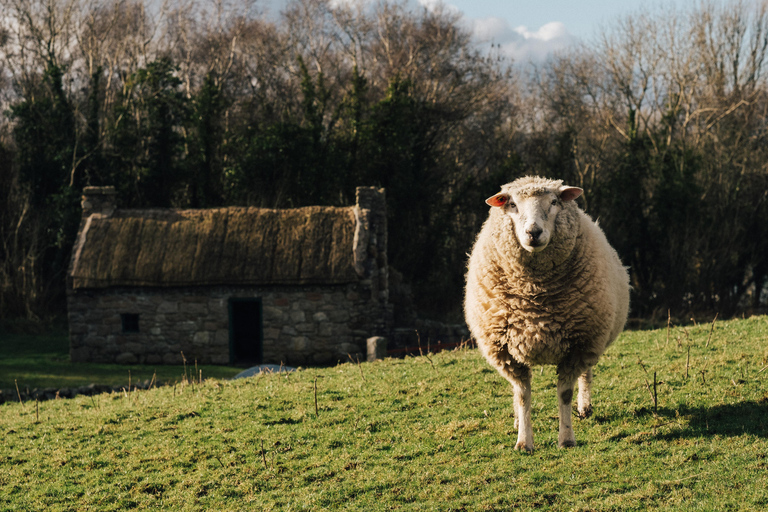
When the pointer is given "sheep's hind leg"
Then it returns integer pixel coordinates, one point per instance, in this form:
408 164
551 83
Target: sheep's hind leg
520 378
585 394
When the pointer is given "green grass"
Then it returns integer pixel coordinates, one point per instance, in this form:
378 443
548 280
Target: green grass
416 434
42 361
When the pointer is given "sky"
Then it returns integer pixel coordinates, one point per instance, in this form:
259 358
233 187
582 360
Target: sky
580 17
531 29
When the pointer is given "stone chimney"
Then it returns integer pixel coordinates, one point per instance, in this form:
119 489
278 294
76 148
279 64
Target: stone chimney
371 241
98 200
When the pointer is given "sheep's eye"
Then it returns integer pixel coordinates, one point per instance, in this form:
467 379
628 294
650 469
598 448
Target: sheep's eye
512 205
554 202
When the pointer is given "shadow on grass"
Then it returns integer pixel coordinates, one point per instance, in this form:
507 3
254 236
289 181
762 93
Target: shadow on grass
732 420
726 420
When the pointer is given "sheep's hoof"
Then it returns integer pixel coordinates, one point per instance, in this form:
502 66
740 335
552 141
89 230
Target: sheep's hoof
521 446
586 413
567 444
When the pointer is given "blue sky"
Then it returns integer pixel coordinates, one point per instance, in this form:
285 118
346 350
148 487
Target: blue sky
580 17
531 29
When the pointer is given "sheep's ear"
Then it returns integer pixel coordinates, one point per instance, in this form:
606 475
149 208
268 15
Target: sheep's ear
570 193
499 199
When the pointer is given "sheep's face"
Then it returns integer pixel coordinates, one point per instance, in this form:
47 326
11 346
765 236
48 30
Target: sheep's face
533 213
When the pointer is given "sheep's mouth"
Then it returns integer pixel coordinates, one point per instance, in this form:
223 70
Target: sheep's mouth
534 245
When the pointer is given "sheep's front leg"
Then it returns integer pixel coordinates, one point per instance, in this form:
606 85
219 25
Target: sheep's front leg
585 394
565 438
520 378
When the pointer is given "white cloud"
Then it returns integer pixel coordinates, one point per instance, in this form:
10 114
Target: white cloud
548 32
433 5
350 3
520 43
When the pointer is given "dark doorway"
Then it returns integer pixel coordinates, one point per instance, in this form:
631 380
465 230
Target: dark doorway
245 331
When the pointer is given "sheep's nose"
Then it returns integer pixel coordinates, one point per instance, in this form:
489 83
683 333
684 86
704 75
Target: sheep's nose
534 232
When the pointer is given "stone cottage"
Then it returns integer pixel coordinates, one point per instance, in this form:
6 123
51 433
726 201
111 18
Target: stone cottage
236 285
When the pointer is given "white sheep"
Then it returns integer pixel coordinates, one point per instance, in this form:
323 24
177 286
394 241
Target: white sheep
544 287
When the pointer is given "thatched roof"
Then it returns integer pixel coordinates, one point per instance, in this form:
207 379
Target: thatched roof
224 246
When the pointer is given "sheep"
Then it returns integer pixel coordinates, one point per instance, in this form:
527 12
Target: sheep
543 286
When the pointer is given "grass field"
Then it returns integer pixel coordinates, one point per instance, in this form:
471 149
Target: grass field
42 361
424 433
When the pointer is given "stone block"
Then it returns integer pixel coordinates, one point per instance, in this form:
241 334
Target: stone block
322 357
339 316
186 326
126 358
377 348
320 317
294 360
195 308
218 305
110 349
308 307
298 316
172 358
299 343
305 328
168 307
272 314
113 320
134 347
92 341
321 344
77 328
221 337
192 299
218 359
201 338
271 333
347 348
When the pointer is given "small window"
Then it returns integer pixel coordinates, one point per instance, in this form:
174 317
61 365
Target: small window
130 322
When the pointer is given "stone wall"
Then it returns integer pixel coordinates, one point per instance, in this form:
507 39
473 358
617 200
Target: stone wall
301 326
307 325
